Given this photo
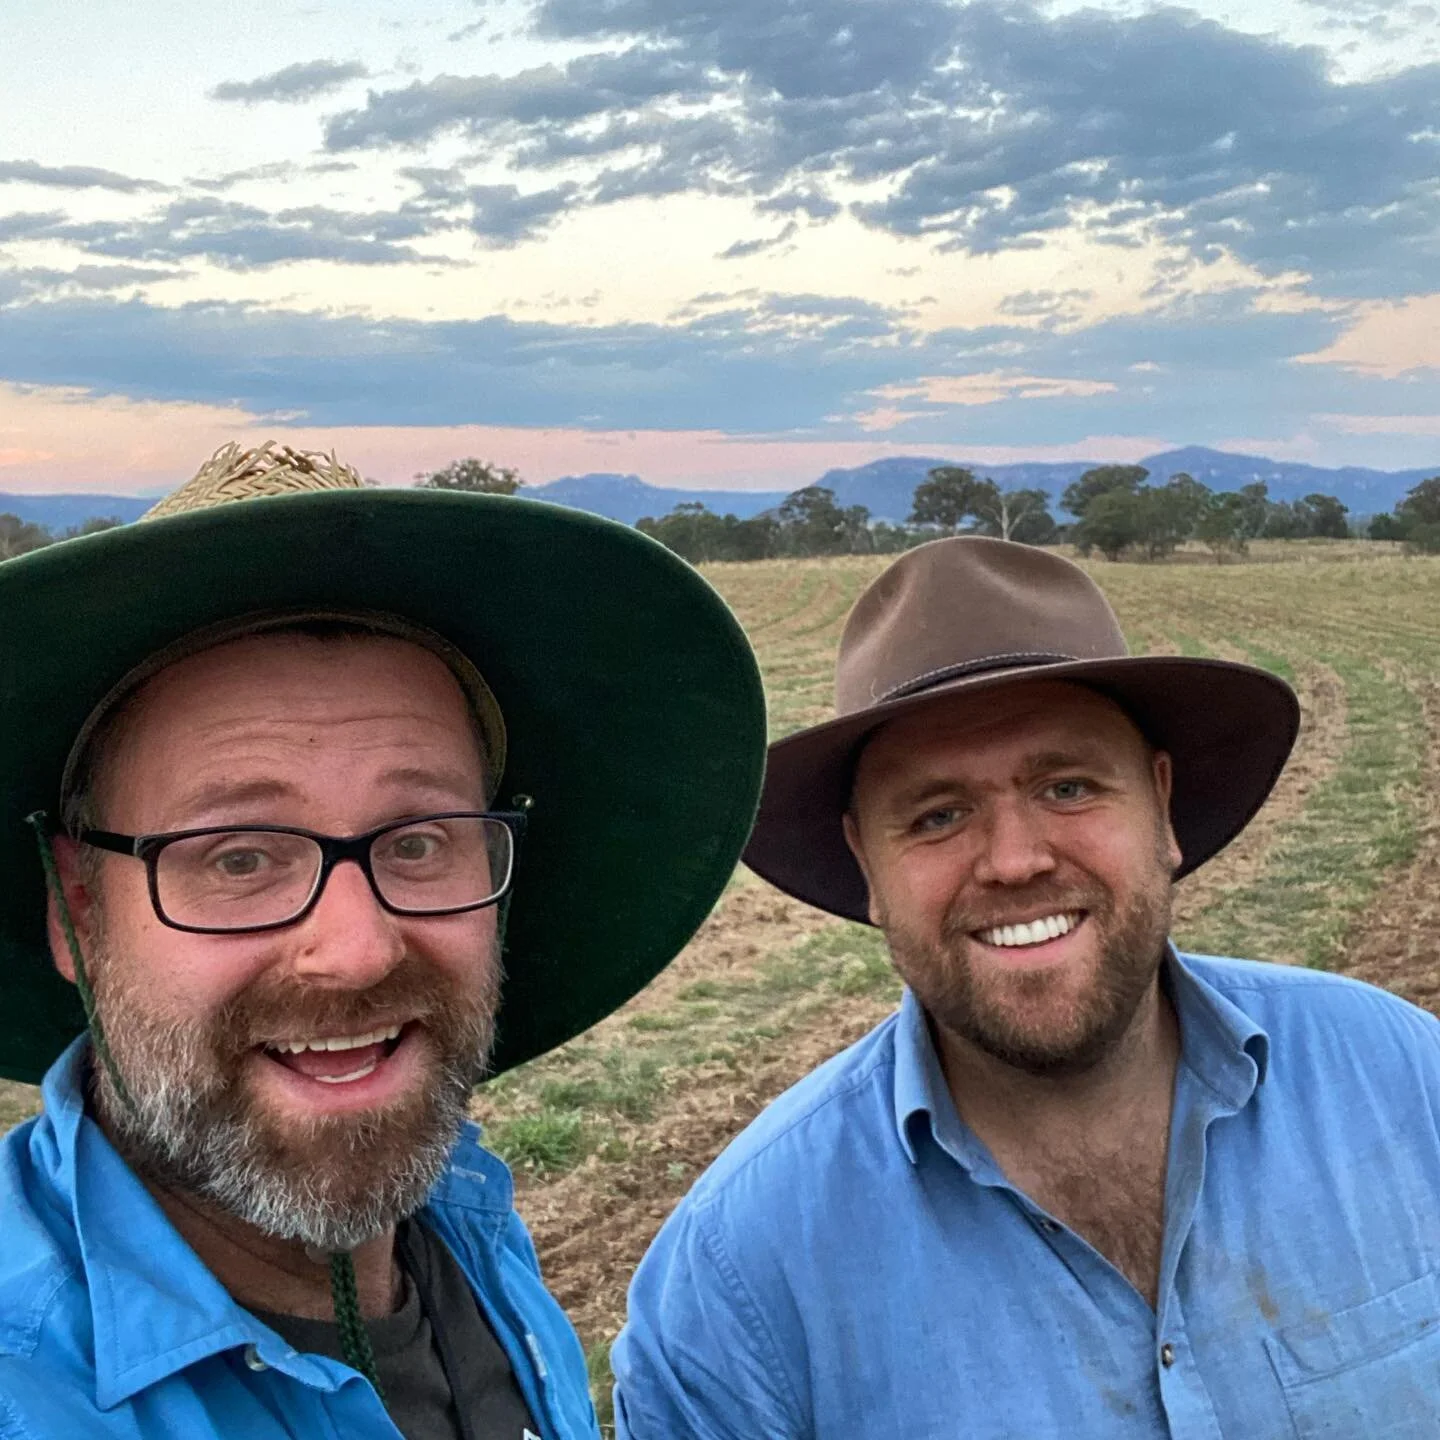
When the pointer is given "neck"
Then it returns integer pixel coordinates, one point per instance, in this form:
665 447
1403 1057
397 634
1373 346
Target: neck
262 1272
1007 1105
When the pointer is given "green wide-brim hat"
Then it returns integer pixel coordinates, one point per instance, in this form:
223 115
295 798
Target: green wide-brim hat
632 707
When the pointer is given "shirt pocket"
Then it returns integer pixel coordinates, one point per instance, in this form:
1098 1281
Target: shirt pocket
1370 1371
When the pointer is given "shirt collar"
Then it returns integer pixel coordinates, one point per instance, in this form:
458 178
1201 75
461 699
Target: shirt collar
155 1306
1224 1047
1219 1041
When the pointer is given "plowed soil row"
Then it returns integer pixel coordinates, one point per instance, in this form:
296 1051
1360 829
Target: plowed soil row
1396 946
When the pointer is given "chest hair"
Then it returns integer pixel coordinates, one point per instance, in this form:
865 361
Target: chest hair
1111 1194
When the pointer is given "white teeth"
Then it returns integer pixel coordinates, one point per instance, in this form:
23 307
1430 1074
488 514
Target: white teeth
359 1074
337 1042
1033 932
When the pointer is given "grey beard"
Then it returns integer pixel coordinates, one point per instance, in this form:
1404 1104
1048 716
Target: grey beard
331 1182
171 1133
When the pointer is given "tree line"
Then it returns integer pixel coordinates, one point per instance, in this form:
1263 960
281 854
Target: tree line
20 537
1117 513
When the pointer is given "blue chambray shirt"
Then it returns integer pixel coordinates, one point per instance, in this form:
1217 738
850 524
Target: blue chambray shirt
111 1326
855 1264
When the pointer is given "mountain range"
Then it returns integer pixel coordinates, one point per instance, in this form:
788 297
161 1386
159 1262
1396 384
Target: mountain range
884 487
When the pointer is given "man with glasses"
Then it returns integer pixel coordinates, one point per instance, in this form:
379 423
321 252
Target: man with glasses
311 876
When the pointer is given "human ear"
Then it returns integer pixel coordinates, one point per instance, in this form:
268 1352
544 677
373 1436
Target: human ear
852 839
79 901
1163 774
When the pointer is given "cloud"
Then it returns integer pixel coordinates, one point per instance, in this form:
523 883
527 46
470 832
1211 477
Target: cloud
293 84
481 105
284 170
501 216
244 237
775 365
1388 340
743 249
71 177
1049 305
992 386
29 224
986 127
37 281
1428 425
752 364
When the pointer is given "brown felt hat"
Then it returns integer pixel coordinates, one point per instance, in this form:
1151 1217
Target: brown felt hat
970 614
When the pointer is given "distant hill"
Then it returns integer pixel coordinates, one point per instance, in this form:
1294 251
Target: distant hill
60 512
886 487
629 498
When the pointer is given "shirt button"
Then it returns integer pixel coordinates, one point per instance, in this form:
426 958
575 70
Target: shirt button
1167 1355
253 1360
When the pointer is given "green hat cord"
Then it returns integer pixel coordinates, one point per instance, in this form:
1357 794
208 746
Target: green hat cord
344 1294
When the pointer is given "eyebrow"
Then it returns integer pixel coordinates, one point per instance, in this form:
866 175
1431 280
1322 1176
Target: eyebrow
1083 757
1045 762
442 781
217 795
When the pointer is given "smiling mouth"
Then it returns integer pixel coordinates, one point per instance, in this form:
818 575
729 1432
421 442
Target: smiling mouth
1031 932
336 1059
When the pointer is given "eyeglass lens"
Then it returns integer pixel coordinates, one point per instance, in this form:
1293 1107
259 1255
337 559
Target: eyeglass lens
239 879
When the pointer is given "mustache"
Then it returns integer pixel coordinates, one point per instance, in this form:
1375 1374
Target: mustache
964 918
283 1007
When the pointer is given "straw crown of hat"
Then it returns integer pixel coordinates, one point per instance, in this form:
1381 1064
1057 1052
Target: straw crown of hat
969 614
269 469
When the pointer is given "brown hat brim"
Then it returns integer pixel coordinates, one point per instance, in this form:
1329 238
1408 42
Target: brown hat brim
1229 729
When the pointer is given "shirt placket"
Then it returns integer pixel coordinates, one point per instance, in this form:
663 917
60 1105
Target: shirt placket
1189 1409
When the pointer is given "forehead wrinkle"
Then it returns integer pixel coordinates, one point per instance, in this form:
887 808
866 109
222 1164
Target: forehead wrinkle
963 728
253 725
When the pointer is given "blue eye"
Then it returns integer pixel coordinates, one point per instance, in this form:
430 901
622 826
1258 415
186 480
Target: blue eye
936 820
1069 789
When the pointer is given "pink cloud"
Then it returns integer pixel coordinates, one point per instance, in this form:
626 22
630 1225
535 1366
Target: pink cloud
1388 340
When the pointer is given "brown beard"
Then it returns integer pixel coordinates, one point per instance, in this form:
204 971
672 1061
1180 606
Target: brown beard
1004 1015
192 1122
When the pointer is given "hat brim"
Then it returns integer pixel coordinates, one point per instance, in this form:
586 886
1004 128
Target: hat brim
1228 727
630 694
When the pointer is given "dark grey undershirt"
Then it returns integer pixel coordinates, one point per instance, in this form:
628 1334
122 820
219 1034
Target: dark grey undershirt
427 1397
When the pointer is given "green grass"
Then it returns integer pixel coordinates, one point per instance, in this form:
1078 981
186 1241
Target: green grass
602 1385
17 1103
549 1116
625 1084
548 1141
1332 858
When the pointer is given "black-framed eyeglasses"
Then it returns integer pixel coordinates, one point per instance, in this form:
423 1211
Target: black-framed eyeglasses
228 878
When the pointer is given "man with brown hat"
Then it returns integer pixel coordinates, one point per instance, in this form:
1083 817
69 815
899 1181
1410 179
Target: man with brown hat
1081 1184
344 799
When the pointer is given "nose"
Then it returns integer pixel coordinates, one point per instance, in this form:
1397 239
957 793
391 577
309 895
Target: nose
1014 849
348 939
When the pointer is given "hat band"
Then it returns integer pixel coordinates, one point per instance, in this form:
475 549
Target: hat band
1015 660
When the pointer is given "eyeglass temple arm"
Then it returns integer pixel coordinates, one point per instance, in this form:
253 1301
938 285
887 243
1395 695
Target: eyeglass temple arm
112 840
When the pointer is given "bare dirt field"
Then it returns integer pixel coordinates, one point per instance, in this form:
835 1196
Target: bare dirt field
1340 870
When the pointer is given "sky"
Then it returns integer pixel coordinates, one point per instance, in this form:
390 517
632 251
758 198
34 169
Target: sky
718 243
